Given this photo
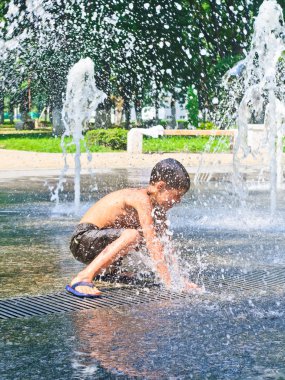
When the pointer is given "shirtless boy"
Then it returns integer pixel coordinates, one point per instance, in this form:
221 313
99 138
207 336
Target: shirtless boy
122 221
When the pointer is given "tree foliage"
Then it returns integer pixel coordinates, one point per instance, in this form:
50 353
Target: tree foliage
139 48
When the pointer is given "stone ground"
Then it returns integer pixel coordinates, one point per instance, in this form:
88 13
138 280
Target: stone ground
20 163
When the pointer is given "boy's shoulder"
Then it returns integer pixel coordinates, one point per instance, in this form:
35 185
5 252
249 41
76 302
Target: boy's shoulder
136 193
131 196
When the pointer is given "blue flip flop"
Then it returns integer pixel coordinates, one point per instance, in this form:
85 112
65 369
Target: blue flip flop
71 289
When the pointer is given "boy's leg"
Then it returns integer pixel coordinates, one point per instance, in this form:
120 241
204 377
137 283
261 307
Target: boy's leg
118 248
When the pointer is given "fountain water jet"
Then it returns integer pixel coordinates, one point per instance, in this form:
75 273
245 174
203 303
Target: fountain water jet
81 101
258 96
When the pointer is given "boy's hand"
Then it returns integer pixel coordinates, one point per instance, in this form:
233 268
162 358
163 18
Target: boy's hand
191 287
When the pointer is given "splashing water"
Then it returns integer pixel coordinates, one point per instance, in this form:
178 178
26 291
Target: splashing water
257 101
81 101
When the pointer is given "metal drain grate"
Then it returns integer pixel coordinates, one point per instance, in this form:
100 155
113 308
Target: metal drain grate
271 280
63 302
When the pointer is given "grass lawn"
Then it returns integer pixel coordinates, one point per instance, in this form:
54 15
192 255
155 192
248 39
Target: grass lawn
36 141
186 144
41 142
9 131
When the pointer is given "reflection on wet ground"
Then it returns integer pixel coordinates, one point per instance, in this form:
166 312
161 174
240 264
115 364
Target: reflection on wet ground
230 335
199 340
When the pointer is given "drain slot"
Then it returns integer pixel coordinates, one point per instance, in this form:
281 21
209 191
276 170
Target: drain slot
64 302
253 282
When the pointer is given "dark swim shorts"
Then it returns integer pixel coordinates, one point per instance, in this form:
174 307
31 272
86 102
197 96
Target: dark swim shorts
88 241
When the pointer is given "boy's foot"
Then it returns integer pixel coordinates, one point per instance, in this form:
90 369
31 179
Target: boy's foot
191 286
85 289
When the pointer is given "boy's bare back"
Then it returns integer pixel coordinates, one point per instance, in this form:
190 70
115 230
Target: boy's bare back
125 208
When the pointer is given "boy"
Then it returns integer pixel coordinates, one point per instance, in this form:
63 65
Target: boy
123 220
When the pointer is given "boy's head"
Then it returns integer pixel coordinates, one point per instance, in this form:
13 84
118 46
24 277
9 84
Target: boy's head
170 181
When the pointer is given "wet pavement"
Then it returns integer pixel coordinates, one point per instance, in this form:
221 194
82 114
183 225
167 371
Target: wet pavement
232 332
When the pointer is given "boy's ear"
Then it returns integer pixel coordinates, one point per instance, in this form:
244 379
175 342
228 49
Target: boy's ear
160 185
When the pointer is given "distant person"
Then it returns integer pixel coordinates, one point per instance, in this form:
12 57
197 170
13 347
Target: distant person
125 220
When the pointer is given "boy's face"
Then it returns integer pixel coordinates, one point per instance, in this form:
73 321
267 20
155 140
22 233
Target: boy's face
167 197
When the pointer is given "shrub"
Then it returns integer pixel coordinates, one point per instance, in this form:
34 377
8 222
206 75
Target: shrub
206 125
114 138
153 122
115 126
7 125
182 124
162 122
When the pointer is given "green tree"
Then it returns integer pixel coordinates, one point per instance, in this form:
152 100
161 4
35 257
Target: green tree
139 48
192 106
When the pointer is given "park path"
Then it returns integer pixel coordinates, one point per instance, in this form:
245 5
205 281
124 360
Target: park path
15 162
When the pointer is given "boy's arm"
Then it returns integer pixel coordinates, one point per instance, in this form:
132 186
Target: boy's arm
154 246
156 250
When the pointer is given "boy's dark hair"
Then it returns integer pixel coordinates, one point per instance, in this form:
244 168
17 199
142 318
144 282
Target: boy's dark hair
172 172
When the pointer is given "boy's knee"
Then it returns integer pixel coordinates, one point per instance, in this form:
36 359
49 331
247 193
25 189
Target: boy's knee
132 235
